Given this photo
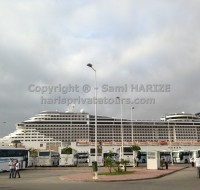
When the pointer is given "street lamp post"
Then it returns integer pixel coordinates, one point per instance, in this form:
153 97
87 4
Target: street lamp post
95 104
122 132
170 143
169 138
132 124
132 134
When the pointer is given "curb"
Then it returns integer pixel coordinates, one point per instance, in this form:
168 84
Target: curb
102 180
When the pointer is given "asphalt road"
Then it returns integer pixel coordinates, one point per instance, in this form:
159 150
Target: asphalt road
51 180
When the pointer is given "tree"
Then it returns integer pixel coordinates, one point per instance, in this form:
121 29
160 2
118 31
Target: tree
16 142
124 163
162 163
117 163
109 161
33 152
135 149
66 150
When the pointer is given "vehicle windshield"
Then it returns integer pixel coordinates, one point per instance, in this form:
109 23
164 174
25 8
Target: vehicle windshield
176 154
192 154
44 153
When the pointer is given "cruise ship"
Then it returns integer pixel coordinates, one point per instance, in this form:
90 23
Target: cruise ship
51 127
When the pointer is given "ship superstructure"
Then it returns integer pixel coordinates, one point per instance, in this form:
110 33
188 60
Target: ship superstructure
67 127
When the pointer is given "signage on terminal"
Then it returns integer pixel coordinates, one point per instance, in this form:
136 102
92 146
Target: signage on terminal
151 155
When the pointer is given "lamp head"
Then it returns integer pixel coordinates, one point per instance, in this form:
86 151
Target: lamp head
89 65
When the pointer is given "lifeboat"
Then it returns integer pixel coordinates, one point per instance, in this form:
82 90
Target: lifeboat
163 142
118 143
175 143
129 143
196 143
185 143
143 143
107 143
82 143
154 143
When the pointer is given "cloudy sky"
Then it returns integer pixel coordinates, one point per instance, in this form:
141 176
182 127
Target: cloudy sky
130 43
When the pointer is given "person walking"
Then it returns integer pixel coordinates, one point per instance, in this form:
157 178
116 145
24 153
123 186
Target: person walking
192 162
11 165
17 166
166 162
137 162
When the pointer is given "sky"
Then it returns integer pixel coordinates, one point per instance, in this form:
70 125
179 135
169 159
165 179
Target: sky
141 50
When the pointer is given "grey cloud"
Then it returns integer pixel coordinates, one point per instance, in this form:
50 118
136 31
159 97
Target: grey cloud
140 42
